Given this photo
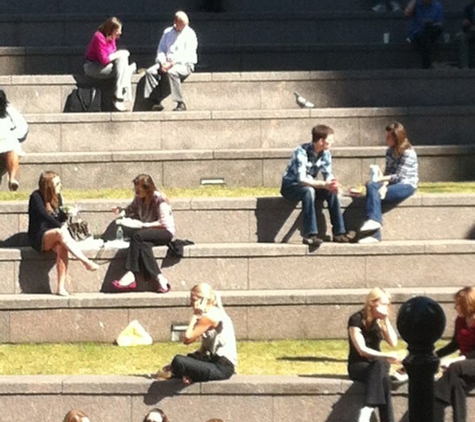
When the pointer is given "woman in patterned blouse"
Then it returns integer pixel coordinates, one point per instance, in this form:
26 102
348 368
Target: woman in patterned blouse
398 182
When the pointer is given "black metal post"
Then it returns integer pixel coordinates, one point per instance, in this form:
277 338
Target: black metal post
421 322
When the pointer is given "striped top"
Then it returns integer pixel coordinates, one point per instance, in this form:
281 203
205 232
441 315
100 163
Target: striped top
403 169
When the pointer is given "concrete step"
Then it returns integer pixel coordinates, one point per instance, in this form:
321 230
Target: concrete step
267 398
155 7
260 266
247 167
128 398
218 29
100 317
270 219
216 130
236 58
272 90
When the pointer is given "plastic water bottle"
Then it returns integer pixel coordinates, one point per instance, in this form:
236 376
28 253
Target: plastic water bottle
374 172
119 234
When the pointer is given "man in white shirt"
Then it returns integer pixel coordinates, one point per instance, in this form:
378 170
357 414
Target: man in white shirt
175 61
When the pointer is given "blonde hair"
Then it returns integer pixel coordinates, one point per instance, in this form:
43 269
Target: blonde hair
373 297
205 291
109 26
465 299
75 415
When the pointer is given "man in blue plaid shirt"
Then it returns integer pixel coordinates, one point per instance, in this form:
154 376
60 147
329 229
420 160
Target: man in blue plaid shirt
300 183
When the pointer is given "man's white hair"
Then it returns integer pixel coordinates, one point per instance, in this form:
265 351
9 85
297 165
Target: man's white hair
182 16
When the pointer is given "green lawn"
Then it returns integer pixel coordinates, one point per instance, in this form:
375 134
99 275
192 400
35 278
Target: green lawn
304 357
220 191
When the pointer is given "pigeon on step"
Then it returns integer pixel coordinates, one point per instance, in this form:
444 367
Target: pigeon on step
303 102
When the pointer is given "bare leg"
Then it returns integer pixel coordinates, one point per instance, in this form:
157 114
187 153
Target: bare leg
12 163
62 236
62 260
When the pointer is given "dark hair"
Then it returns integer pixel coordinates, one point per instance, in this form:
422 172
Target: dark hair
3 104
399 135
321 131
156 410
109 26
145 182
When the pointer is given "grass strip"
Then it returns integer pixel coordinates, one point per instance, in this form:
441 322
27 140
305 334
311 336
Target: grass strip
221 191
287 357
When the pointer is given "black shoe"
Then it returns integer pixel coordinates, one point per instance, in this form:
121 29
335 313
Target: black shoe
180 107
157 107
312 240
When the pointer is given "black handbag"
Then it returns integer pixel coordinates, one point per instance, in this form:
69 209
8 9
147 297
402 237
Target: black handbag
83 100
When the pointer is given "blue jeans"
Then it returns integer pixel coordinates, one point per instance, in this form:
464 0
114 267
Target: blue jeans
396 192
308 195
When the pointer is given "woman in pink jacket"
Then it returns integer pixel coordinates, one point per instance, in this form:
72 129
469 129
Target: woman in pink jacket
104 61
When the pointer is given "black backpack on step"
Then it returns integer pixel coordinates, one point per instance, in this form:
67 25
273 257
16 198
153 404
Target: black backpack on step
83 100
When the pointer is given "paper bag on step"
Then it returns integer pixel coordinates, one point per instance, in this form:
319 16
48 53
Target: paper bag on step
134 335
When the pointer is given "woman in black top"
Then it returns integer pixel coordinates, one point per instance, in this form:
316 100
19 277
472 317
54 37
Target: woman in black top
366 362
47 231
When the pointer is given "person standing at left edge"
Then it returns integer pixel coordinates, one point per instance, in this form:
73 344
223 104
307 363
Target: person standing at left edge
299 183
175 61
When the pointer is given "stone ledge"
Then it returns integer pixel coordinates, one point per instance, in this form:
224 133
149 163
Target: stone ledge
257 250
127 398
429 200
289 297
233 155
270 76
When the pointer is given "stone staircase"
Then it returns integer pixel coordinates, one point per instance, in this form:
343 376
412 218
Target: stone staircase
241 126
53 40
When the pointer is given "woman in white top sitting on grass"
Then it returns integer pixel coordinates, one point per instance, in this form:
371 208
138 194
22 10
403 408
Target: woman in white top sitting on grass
216 358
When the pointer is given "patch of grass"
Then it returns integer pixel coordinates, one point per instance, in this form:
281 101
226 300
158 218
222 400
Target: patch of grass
288 357
220 191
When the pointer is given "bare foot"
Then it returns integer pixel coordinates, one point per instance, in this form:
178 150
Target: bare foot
91 266
186 380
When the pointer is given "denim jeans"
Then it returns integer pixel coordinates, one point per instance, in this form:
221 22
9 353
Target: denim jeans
396 192
308 195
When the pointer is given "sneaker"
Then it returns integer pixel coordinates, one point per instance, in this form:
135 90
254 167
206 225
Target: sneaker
370 225
379 8
368 240
400 376
365 414
312 240
119 105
